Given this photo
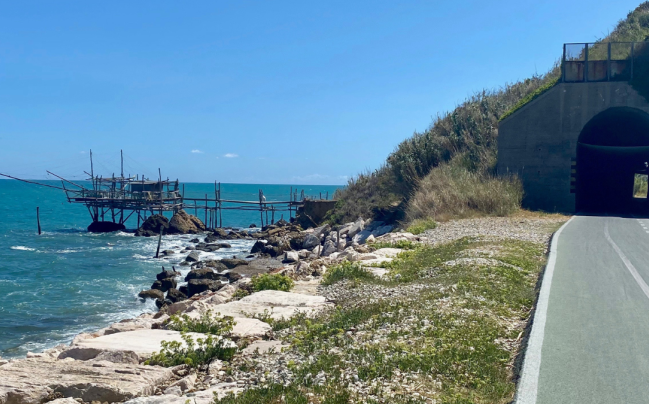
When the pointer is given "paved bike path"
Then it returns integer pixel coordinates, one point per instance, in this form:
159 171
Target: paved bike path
594 346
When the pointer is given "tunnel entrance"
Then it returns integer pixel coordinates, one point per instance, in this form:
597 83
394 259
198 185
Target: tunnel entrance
612 163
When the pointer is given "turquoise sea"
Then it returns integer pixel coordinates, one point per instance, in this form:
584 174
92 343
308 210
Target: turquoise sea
67 280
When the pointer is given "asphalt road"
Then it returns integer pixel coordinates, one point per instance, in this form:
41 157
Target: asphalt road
594 347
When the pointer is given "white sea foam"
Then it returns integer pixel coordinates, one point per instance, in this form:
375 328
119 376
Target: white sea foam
22 248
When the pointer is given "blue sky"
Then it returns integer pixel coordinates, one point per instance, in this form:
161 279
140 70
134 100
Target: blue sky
291 92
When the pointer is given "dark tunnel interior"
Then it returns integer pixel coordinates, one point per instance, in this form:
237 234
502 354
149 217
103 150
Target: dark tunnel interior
612 160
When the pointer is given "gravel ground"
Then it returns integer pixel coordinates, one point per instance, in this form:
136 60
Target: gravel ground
537 230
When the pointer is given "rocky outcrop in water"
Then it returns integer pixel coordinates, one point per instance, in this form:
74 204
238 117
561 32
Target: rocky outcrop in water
152 226
180 223
152 294
105 227
184 223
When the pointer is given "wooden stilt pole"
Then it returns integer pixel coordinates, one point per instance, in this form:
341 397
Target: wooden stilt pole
261 210
38 220
157 251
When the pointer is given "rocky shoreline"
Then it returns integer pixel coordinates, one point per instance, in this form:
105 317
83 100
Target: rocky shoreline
276 246
108 365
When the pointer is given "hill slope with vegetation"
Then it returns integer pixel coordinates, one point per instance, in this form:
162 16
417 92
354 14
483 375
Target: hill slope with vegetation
448 170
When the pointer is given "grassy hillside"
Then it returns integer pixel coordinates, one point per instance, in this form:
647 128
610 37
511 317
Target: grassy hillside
465 139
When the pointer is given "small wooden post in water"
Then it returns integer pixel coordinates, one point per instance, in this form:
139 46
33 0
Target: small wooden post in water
38 220
157 251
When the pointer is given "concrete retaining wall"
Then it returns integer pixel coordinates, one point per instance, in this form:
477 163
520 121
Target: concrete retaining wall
539 141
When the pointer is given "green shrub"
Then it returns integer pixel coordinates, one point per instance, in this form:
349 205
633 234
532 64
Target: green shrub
197 354
208 323
419 226
272 282
346 270
202 352
239 294
365 196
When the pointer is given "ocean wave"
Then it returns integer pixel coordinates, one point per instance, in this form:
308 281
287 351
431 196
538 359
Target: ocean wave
22 248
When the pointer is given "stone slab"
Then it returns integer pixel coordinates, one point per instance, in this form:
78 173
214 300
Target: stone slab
250 328
379 256
143 342
274 303
29 381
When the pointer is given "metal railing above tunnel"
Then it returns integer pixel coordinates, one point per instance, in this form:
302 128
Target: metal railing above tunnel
602 61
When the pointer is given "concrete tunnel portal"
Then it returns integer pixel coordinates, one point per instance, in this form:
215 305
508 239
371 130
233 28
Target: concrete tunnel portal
612 160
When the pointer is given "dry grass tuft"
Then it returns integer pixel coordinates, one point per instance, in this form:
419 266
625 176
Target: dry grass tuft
454 192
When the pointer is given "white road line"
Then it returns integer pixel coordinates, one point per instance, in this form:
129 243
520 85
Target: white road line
529 384
627 263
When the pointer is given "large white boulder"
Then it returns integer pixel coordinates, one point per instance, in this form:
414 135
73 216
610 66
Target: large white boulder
329 248
291 256
378 232
361 236
355 228
310 241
